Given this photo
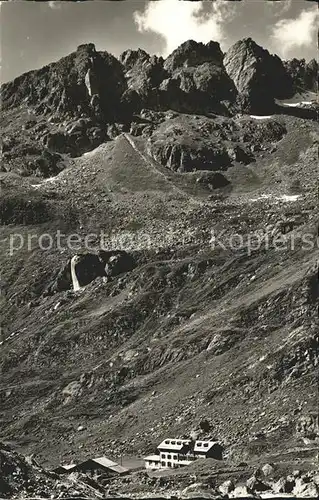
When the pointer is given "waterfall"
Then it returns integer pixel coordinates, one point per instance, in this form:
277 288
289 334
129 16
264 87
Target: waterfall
75 281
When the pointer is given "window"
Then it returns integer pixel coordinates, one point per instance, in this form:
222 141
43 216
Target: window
175 457
163 455
179 442
205 445
167 441
163 464
169 464
169 457
199 444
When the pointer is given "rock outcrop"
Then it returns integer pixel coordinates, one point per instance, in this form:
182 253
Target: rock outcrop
91 266
259 77
304 76
88 269
116 262
78 137
144 73
18 475
192 54
191 79
184 146
186 143
197 80
85 83
23 477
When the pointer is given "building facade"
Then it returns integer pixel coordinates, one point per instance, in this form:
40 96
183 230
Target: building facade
180 452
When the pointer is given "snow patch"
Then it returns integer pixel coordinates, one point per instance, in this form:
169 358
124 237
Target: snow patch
296 104
257 117
261 197
283 197
289 197
49 179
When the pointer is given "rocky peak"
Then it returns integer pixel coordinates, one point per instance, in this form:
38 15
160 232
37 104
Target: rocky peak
303 75
144 74
196 80
130 58
258 76
67 86
88 48
193 53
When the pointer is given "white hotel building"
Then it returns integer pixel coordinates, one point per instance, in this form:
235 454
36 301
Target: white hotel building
179 452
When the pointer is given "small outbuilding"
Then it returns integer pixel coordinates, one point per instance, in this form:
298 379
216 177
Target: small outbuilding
65 469
101 465
153 462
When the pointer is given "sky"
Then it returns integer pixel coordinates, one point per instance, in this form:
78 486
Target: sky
36 33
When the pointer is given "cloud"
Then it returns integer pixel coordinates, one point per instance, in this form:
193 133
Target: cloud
280 7
54 4
178 21
301 32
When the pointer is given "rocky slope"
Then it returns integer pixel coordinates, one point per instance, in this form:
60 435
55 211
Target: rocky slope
23 477
168 330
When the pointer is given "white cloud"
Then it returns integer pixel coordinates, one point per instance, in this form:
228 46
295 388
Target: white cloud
54 5
178 21
289 34
279 8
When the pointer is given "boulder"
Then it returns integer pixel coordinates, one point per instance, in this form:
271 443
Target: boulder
113 130
196 490
226 487
92 266
259 77
254 484
241 492
143 129
259 134
304 489
267 470
204 425
283 485
116 262
47 164
212 180
308 425
88 269
238 154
